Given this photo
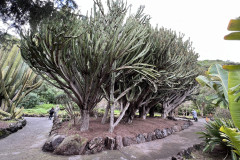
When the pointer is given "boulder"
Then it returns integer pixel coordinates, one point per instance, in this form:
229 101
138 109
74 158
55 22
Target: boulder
72 145
19 125
127 141
12 128
151 136
57 140
96 145
158 133
164 132
24 122
4 133
110 143
140 138
177 128
169 131
52 143
119 142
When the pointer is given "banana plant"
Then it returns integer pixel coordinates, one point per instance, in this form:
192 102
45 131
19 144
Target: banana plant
217 79
16 81
232 136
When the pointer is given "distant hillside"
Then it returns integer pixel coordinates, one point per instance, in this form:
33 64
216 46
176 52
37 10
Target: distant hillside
205 64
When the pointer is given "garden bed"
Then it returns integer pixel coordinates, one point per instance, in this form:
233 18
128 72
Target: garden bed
68 140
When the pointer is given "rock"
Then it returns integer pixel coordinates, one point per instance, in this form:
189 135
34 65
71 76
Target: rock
169 131
184 126
164 133
72 145
119 142
12 128
110 143
140 138
19 125
4 133
158 133
57 140
190 123
177 128
151 136
24 122
96 145
127 141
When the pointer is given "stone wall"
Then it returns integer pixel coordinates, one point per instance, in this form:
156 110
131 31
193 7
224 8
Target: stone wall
13 127
77 145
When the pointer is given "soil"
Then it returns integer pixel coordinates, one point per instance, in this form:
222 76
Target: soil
96 129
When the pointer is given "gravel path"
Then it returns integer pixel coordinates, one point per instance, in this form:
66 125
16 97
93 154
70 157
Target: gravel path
26 145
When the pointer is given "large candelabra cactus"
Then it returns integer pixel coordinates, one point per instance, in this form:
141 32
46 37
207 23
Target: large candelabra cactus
16 81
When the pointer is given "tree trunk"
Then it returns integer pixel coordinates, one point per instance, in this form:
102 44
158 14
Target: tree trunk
112 99
104 118
143 113
151 112
84 120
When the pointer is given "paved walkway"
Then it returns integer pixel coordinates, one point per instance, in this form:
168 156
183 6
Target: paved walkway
26 145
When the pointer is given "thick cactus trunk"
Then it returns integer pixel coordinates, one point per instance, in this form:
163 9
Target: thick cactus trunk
84 120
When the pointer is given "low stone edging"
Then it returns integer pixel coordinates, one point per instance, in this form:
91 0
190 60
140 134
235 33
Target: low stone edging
187 153
4 132
77 145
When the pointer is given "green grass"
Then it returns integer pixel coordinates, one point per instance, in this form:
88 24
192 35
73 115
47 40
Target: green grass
42 109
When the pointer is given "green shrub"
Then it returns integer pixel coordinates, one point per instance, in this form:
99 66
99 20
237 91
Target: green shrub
212 135
222 113
30 101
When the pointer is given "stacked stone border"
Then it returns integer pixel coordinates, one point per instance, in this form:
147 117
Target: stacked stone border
77 145
187 153
13 127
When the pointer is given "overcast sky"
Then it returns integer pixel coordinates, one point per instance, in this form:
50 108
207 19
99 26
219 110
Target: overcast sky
204 21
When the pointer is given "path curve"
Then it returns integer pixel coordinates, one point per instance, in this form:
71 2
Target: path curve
26 145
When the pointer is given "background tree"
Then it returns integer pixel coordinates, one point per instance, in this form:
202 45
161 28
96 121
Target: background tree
18 13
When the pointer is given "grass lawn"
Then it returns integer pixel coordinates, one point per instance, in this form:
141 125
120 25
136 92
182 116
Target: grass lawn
42 109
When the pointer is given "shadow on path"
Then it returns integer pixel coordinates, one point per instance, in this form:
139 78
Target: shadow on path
26 144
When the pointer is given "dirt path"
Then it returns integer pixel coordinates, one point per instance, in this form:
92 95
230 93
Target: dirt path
26 145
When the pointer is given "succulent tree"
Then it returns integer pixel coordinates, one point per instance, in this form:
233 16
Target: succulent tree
16 81
80 54
176 65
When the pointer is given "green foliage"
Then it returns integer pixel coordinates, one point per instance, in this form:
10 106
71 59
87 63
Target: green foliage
30 101
42 109
232 137
212 136
234 80
216 78
222 113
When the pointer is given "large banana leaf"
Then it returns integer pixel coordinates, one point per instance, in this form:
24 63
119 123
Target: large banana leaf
232 137
234 25
217 79
234 80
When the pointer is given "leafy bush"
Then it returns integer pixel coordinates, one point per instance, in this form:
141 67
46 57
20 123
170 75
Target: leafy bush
212 135
30 101
222 113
